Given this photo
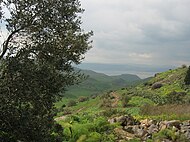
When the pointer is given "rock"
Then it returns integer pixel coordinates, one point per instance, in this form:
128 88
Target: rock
140 133
112 120
166 140
157 85
162 125
152 122
152 129
147 123
175 123
187 134
166 124
129 129
126 120
144 122
186 123
146 128
121 134
185 129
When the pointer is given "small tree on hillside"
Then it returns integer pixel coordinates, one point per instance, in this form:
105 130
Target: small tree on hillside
187 77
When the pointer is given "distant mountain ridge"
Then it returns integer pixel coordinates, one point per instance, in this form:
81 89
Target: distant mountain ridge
143 71
99 82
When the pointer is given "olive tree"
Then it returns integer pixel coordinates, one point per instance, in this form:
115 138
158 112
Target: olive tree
44 40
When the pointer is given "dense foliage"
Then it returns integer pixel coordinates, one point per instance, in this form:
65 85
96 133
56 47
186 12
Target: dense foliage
187 77
45 39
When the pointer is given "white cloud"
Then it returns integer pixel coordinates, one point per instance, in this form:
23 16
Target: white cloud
140 55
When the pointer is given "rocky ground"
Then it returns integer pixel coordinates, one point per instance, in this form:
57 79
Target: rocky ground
144 129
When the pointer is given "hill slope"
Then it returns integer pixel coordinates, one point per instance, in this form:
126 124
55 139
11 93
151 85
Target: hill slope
165 89
97 83
159 110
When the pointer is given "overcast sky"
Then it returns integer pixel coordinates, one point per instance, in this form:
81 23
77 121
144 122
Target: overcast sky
153 32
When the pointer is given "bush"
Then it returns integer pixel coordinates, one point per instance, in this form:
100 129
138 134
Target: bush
71 103
66 111
140 101
63 106
93 96
83 99
110 112
187 77
94 137
125 100
184 66
147 84
175 97
106 102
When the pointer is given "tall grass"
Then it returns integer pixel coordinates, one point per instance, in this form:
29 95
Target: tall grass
169 111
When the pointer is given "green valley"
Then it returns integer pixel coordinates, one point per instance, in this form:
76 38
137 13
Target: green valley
97 83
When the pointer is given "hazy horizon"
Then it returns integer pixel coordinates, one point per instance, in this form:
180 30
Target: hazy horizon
143 71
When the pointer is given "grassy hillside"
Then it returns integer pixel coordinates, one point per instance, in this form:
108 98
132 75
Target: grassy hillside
97 83
162 98
165 89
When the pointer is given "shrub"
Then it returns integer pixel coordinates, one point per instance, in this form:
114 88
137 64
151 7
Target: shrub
184 66
134 111
66 111
110 112
175 97
140 101
187 77
63 106
106 102
94 137
93 96
125 100
186 99
71 103
82 99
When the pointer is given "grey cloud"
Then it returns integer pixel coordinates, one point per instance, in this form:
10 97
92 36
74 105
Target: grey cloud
138 27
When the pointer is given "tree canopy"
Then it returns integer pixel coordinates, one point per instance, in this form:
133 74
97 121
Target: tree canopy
45 39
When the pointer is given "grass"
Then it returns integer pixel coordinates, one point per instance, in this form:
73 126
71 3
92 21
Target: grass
169 111
142 105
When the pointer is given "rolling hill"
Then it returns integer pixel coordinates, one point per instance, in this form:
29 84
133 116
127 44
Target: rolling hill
97 83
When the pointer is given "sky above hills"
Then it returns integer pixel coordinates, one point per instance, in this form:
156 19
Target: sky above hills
152 32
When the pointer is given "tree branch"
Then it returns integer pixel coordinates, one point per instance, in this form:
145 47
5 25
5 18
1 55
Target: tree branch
5 44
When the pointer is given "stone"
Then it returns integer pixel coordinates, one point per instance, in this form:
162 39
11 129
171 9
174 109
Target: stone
187 134
157 85
129 129
186 123
152 122
140 133
162 126
144 122
152 129
121 134
112 120
175 123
